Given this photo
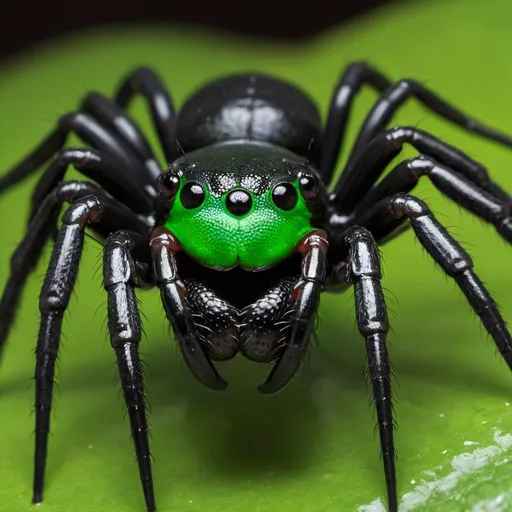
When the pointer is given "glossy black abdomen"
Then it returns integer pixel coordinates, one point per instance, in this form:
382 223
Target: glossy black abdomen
250 107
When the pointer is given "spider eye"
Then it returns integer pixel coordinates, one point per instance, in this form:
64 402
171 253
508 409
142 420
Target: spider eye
308 186
192 195
284 196
169 184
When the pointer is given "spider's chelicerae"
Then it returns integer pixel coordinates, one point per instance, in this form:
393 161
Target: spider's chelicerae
240 230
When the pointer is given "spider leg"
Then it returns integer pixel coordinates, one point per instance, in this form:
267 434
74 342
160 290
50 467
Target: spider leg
95 165
389 213
112 115
363 271
354 76
92 133
125 329
396 95
145 82
306 294
363 172
27 254
53 301
164 247
405 176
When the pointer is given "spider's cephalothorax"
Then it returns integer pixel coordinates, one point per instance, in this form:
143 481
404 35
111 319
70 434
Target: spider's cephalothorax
242 229
227 212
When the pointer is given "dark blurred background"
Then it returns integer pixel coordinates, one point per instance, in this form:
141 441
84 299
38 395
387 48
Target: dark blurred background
23 24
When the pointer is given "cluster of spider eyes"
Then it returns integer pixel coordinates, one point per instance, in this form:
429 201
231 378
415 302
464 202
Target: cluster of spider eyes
284 195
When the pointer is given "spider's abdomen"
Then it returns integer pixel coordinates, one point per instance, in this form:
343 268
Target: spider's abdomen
249 107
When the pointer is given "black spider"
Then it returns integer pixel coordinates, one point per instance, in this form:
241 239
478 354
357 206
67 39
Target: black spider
246 192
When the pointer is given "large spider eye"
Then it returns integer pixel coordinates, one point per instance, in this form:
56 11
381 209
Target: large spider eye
284 196
192 195
169 184
308 185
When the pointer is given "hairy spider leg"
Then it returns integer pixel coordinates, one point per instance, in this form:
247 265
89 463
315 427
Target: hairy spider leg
92 133
464 192
383 220
112 115
28 251
119 280
356 181
353 78
143 81
396 95
306 294
90 163
362 269
385 217
53 302
27 254
164 247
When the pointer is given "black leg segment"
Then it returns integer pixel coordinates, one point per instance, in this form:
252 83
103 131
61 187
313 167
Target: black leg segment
143 81
125 334
25 258
363 270
355 76
53 301
394 97
88 130
448 254
405 176
95 165
112 115
363 171
28 252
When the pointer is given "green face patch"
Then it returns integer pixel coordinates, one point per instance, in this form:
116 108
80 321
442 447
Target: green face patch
261 237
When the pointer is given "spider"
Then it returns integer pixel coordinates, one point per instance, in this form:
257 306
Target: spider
243 229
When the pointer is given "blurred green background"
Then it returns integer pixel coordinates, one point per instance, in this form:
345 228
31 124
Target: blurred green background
311 447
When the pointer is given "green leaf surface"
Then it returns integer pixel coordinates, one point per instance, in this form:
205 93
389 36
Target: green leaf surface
311 447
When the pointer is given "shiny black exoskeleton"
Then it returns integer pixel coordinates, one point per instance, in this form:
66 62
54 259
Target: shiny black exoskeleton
128 195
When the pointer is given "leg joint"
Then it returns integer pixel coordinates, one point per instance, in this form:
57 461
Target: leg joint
404 205
401 134
363 253
87 210
408 84
78 157
117 260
